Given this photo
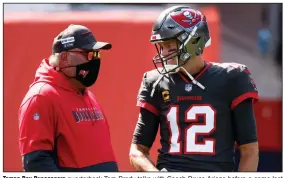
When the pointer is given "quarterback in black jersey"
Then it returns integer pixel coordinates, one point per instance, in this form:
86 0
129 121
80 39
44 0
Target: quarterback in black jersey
202 109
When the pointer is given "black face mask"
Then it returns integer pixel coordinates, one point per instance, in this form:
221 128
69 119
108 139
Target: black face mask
87 73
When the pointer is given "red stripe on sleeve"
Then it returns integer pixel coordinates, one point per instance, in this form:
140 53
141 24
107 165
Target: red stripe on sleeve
148 106
243 97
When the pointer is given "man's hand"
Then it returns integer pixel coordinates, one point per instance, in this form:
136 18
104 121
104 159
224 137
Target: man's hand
140 158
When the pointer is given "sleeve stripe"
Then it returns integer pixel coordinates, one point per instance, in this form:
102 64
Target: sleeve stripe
243 97
148 106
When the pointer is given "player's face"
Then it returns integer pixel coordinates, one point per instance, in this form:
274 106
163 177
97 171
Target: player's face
168 49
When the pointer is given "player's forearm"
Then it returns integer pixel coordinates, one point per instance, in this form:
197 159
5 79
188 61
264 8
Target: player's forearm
249 157
142 162
248 163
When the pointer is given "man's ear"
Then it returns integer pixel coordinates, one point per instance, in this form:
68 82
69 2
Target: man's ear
63 59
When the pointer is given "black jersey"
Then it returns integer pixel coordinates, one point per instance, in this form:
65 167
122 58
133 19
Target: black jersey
196 125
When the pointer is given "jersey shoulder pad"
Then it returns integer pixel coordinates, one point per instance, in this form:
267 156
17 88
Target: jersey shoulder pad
150 77
239 73
231 67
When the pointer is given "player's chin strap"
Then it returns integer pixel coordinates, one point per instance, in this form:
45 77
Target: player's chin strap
195 82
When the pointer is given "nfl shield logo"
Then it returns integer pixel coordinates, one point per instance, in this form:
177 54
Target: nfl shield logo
188 87
36 116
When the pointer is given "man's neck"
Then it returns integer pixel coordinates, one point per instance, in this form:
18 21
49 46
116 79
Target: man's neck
194 66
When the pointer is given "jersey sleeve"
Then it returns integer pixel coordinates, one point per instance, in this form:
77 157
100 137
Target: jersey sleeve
244 123
37 125
144 98
242 86
146 128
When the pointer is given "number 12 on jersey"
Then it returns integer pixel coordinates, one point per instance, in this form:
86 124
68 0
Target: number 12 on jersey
192 131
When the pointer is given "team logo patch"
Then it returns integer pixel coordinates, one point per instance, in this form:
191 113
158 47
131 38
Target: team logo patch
188 18
191 16
36 116
188 87
83 73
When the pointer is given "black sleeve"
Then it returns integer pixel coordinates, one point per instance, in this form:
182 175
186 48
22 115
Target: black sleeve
242 86
244 123
146 128
144 97
39 161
